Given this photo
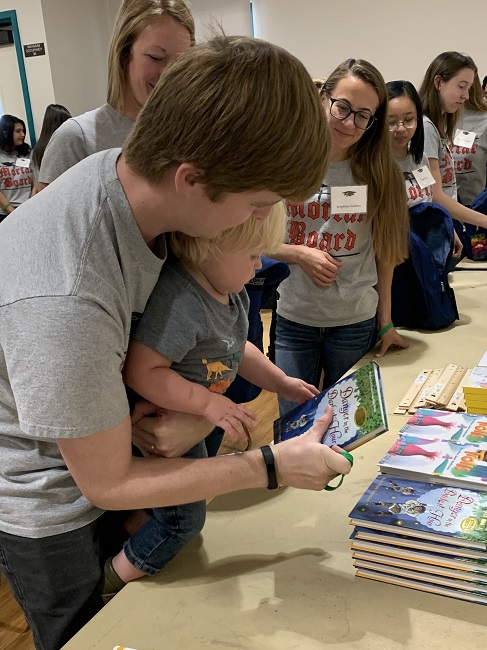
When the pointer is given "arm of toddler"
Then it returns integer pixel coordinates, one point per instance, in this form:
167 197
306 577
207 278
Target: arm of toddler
149 373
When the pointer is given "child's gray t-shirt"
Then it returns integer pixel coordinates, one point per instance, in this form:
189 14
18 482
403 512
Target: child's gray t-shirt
200 335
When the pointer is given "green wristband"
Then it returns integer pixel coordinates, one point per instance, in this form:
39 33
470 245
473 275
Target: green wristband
385 329
349 457
7 206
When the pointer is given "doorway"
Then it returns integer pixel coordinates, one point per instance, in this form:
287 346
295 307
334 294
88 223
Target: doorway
14 90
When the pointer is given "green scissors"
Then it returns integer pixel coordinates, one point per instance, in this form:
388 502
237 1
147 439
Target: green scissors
349 457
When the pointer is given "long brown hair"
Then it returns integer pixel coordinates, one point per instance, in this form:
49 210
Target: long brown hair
372 163
475 101
446 66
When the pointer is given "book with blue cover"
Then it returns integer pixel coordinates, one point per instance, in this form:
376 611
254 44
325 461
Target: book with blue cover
442 513
359 412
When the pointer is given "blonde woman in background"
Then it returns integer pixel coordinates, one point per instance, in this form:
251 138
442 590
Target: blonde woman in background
337 300
148 36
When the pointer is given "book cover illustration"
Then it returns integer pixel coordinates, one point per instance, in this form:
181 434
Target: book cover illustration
450 512
359 412
437 460
458 427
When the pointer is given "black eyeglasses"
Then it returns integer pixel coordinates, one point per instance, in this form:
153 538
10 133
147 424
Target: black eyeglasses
340 109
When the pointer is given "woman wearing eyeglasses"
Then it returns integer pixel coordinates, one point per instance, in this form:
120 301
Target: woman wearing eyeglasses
343 243
407 140
445 89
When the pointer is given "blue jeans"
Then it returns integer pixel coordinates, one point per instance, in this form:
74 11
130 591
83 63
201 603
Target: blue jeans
169 530
307 352
54 580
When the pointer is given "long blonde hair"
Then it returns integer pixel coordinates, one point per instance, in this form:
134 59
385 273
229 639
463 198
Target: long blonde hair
373 164
446 66
133 17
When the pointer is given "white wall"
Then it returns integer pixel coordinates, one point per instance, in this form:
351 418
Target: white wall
38 69
11 96
233 15
78 34
399 38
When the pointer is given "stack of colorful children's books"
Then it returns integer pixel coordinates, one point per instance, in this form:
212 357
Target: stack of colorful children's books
423 522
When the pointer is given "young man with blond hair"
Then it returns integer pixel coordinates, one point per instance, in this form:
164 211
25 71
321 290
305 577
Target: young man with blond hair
212 147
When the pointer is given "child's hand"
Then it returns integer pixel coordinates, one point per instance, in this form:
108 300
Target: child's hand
296 390
224 413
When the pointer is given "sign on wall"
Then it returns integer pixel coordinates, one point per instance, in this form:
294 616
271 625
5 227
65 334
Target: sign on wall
34 49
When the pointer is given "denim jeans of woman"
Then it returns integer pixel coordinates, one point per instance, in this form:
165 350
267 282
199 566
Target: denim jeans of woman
308 352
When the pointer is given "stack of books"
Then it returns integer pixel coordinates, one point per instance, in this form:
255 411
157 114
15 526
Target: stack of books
475 391
422 523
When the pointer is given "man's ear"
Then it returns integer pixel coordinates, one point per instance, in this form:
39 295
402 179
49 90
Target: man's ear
186 177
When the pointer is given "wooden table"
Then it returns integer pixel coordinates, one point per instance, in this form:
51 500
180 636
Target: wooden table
273 571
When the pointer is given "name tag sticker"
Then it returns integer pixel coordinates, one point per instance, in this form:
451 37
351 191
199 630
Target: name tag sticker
464 138
22 162
424 178
349 198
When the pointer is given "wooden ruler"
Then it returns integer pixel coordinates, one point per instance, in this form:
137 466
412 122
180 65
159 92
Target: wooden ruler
457 401
422 399
446 385
413 391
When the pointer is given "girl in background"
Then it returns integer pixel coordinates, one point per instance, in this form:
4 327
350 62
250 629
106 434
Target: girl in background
407 138
342 259
54 116
444 90
15 171
148 36
470 161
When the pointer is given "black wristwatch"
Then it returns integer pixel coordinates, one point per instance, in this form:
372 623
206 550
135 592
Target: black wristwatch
270 466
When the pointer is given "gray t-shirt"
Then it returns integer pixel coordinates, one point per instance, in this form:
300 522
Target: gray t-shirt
80 137
202 337
352 297
414 193
470 163
437 147
74 267
15 180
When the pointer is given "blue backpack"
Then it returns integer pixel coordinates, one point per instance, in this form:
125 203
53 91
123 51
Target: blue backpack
474 238
421 295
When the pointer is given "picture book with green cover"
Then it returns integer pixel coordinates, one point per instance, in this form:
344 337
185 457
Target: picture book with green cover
359 412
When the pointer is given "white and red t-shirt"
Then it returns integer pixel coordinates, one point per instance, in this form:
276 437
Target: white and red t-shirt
414 193
15 180
437 147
